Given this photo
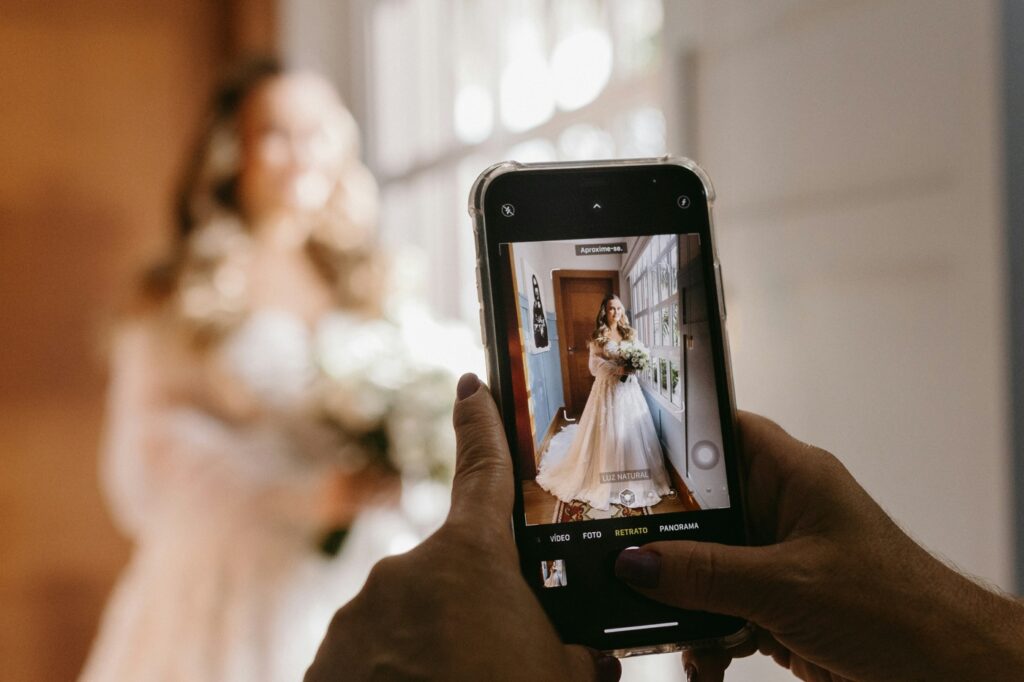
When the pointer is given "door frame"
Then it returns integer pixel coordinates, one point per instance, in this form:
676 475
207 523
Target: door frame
563 349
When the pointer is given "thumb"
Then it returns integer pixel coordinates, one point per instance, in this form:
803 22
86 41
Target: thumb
482 491
705 576
584 663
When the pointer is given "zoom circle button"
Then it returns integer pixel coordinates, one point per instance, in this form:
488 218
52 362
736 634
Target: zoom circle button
508 210
683 201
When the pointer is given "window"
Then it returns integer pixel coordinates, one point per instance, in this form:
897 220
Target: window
654 292
453 86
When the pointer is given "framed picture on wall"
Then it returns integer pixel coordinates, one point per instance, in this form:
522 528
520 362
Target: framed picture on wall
537 337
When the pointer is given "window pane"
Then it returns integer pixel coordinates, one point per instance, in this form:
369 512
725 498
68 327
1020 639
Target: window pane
676 385
675 325
663 372
581 64
473 108
645 288
673 262
666 289
656 283
585 141
637 34
527 97
641 133
532 151
483 75
474 113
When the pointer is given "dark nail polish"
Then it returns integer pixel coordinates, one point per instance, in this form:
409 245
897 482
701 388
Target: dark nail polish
608 668
638 567
468 385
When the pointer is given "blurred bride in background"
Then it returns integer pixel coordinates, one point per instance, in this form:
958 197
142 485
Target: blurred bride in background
275 414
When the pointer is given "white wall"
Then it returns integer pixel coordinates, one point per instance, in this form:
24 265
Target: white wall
547 256
855 150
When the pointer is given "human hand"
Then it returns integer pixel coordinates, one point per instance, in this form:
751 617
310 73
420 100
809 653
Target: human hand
456 607
837 591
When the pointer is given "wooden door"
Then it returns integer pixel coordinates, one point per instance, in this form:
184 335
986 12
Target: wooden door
578 296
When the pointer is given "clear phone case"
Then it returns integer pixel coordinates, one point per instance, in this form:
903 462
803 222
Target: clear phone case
477 197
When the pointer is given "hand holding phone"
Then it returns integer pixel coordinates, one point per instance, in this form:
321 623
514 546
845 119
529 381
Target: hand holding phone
455 607
836 589
603 319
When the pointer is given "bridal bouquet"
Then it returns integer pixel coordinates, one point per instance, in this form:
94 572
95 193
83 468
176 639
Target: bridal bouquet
387 388
634 357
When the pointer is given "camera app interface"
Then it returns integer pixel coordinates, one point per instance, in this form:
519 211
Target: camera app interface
614 381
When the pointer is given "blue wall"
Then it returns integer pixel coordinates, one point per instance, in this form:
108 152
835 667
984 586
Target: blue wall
545 371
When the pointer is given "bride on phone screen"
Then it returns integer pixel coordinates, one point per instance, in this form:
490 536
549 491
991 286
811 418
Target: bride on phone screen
613 455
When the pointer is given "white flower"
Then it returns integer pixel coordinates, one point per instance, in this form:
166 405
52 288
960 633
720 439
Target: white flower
397 380
357 407
350 347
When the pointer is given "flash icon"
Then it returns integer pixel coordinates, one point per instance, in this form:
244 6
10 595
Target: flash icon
508 210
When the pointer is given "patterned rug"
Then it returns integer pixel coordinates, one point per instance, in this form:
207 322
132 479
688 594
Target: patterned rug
582 511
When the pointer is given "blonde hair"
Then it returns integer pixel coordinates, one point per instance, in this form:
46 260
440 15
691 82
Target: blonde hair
601 329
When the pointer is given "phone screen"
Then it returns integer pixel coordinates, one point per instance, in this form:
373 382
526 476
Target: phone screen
621 397
613 382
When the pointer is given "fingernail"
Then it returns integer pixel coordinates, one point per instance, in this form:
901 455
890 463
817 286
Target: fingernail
608 667
638 567
691 673
468 385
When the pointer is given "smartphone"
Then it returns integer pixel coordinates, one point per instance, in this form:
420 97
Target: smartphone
603 320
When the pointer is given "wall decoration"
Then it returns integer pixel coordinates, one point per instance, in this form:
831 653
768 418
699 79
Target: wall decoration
537 337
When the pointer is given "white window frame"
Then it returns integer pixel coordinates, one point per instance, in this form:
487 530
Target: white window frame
653 278
424 197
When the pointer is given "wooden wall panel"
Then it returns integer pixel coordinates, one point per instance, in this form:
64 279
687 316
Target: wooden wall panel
100 101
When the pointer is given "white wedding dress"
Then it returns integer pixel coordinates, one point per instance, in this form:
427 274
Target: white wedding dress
612 455
226 582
